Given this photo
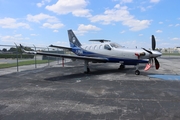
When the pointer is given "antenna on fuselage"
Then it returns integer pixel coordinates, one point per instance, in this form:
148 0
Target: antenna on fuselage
100 40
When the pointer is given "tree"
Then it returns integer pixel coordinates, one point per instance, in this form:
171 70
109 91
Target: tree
4 50
28 49
12 49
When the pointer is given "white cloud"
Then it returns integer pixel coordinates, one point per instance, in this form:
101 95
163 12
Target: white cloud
12 23
134 44
122 31
81 13
55 31
13 38
85 28
160 22
177 25
154 1
121 14
175 38
159 31
89 27
140 34
61 43
49 21
143 8
18 35
53 26
40 17
34 34
117 6
170 25
40 4
76 7
126 1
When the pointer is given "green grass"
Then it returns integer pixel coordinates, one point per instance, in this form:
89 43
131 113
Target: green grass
29 62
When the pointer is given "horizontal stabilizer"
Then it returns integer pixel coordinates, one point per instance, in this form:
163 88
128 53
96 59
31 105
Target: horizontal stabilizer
100 40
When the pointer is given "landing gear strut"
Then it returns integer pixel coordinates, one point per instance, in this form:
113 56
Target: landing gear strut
86 67
137 72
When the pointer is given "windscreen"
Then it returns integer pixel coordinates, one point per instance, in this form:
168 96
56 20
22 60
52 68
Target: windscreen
115 45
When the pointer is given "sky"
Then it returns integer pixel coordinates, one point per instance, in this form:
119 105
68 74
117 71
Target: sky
127 22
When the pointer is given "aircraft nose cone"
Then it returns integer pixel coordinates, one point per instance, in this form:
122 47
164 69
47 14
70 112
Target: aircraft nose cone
156 53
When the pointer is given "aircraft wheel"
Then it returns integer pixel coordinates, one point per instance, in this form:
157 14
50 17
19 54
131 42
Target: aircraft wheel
87 71
121 67
137 72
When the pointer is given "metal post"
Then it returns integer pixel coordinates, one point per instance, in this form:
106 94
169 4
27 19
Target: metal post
17 57
62 62
48 56
57 57
35 57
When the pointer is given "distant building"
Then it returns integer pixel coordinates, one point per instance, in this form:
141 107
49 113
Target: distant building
171 50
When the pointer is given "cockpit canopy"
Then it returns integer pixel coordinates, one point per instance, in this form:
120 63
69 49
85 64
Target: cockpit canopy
115 45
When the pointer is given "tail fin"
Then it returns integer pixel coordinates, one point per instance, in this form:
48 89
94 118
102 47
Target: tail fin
74 42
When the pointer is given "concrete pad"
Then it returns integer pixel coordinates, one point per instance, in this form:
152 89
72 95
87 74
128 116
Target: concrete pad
106 93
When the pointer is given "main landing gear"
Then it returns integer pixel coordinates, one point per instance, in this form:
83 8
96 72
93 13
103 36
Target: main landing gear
86 67
121 67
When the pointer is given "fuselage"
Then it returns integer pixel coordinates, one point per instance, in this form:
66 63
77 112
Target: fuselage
114 53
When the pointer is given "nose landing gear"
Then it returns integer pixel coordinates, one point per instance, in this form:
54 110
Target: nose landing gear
137 72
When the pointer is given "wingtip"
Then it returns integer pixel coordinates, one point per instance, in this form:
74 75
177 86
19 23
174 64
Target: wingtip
22 48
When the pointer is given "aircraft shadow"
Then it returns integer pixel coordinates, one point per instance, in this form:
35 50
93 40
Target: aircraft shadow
74 75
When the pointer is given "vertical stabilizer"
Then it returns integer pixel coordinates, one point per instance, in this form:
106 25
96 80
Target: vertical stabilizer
74 42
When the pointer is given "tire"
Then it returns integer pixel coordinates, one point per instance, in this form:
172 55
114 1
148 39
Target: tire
87 71
121 67
137 72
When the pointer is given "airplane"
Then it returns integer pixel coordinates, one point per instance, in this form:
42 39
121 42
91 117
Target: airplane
106 51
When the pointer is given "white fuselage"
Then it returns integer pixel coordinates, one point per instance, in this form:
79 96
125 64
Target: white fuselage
113 51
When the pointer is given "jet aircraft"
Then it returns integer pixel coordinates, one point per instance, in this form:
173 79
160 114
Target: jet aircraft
106 51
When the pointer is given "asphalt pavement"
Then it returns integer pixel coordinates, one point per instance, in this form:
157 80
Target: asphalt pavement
66 93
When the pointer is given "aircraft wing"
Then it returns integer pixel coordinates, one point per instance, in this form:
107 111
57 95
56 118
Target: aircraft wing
61 47
99 59
70 56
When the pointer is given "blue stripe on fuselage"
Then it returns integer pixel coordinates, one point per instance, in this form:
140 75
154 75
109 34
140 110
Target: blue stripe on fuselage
81 52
